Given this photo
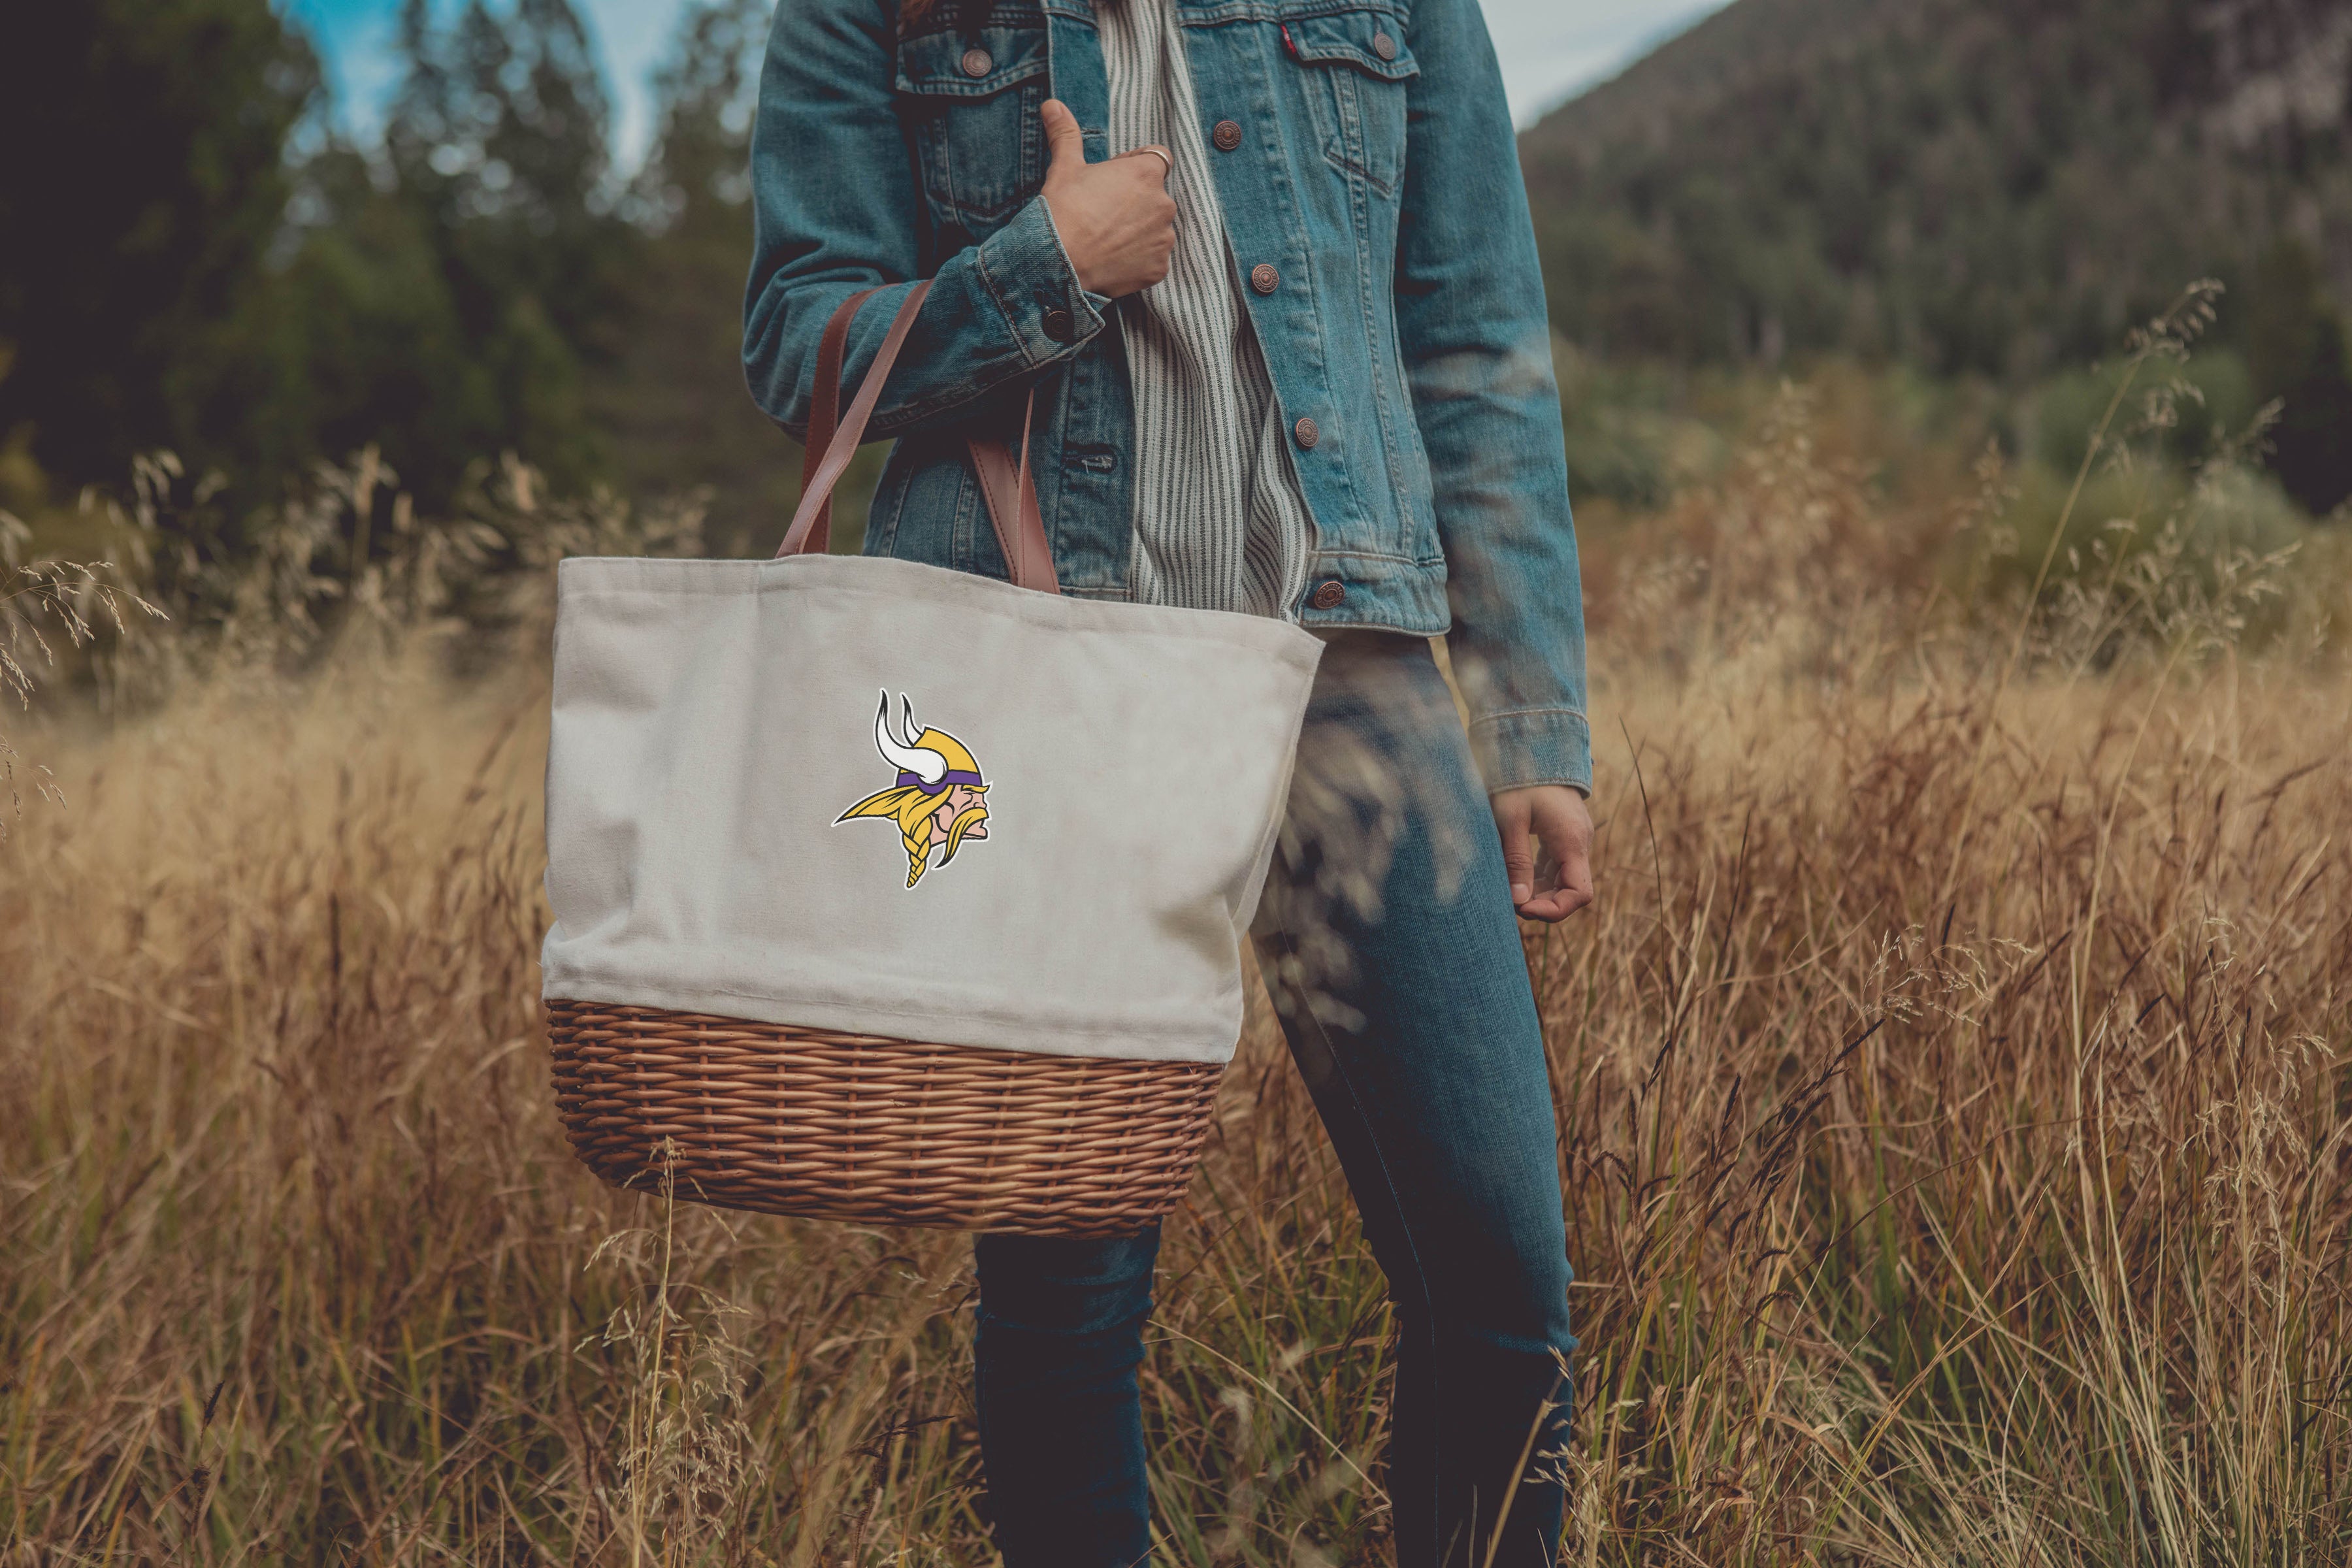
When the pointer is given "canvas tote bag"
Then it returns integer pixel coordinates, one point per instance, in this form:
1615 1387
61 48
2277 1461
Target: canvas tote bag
891 893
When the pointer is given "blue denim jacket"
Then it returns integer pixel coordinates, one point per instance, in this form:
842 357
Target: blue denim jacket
1375 173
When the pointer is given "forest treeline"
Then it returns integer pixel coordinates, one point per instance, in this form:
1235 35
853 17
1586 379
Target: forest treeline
1990 188
200 260
197 258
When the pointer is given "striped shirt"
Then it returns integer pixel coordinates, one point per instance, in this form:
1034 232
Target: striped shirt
1220 522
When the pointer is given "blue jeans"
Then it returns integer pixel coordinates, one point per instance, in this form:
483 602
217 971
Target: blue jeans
1388 940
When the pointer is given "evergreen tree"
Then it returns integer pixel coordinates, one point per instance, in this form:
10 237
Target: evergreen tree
371 336
143 184
674 399
2297 353
1996 187
497 146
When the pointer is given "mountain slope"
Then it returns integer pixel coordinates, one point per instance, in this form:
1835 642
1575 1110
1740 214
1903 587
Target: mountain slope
1991 185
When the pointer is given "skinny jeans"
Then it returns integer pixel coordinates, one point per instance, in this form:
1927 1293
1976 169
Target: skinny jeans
1388 942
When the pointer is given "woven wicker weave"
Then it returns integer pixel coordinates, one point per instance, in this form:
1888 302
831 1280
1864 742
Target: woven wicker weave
851 1127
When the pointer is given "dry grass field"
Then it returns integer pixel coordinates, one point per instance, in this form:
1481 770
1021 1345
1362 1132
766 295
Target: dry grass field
1953 1086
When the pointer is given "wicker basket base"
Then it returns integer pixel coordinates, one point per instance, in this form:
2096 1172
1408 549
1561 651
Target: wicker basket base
853 1127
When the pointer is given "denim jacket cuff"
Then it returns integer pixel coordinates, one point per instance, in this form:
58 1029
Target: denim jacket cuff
1029 275
1533 746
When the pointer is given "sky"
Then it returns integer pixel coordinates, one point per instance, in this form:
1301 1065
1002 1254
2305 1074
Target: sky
1549 48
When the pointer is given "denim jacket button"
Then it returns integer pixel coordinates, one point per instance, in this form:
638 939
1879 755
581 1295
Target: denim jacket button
978 63
1382 46
1265 279
1331 595
1308 432
1227 135
1059 326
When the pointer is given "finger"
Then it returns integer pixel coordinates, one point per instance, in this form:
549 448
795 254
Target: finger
1159 155
1573 892
1567 838
1552 907
1518 857
1065 142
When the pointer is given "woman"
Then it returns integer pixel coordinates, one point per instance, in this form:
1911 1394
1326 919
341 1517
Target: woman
1268 268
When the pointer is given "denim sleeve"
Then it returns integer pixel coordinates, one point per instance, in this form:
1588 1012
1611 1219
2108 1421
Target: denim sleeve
1477 350
835 210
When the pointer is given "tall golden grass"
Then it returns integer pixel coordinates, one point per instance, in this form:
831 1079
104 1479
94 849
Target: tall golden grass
1951 1081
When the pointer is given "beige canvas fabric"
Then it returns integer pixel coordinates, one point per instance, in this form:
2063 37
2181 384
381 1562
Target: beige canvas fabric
716 735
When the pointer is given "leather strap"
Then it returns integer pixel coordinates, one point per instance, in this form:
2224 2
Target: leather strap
1006 485
816 491
825 410
1011 492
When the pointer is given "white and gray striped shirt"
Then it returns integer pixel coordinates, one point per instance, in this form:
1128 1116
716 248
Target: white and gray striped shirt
1220 522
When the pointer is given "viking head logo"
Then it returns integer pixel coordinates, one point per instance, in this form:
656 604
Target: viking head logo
940 797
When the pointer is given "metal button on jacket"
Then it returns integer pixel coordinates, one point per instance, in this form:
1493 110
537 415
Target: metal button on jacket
1382 46
1307 431
1059 326
1227 135
977 62
1329 596
1265 279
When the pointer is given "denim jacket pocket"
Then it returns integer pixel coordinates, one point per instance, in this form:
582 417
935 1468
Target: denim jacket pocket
1357 67
971 103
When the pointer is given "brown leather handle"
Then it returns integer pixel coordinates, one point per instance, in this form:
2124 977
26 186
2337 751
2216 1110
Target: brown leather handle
1006 486
840 446
1012 494
825 410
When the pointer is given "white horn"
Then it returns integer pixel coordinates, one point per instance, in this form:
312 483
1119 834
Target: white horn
920 760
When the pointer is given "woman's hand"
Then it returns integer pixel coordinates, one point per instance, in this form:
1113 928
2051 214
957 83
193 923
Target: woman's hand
1117 220
1557 816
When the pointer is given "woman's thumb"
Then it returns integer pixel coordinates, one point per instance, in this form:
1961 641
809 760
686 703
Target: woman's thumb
1511 819
1065 143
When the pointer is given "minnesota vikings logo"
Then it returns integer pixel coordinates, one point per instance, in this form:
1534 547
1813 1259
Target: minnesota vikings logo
938 798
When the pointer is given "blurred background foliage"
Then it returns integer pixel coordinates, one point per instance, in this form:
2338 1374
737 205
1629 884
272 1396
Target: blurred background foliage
1941 214
1975 191
477 280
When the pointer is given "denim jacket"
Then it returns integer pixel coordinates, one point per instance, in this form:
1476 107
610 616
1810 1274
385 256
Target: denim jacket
1370 182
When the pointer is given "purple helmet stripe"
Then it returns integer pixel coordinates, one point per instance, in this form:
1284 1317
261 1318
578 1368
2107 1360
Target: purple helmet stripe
952 776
